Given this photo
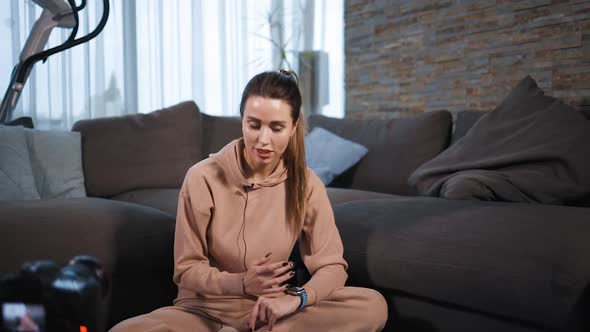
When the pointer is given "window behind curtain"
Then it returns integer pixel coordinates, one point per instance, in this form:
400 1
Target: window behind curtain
155 53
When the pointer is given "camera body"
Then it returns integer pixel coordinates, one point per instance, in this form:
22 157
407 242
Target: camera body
42 297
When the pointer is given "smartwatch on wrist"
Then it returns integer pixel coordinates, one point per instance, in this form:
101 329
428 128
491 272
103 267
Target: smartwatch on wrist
298 291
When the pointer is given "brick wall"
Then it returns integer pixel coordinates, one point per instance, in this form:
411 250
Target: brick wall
411 56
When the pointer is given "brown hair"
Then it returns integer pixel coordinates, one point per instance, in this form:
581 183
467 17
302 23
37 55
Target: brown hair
283 85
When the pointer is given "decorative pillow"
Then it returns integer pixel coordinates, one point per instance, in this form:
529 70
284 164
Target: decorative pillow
463 122
56 160
531 148
16 175
329 155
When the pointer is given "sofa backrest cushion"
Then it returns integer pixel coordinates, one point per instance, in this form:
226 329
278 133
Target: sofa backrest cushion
138 151
218 132
396 148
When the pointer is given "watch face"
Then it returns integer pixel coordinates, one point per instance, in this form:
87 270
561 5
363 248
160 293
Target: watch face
295 290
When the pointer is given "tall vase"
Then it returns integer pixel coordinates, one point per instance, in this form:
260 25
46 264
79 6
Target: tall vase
313 80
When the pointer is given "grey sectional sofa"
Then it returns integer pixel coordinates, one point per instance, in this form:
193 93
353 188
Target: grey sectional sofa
443 265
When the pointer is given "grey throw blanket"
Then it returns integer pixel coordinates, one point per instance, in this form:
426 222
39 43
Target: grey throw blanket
531 148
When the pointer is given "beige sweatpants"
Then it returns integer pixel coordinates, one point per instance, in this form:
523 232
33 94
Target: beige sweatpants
346 309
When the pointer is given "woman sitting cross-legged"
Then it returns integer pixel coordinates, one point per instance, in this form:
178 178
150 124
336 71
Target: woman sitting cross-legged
240 213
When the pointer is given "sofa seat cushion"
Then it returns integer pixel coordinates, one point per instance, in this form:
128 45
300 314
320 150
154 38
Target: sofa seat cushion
127 238
343 195
417 315
522 261
165 200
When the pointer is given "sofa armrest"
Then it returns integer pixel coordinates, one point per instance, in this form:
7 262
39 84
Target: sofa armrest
134 244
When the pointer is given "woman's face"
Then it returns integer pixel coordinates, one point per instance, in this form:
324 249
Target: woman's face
267 126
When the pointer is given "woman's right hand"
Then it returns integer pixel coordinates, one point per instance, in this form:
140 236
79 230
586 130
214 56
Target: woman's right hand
264 278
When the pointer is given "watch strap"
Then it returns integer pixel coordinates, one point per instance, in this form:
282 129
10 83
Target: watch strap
303 296
302 293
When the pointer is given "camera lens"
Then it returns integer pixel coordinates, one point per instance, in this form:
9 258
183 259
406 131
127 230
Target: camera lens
95 267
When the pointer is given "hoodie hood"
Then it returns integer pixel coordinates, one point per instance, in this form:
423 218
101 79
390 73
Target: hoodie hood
230 159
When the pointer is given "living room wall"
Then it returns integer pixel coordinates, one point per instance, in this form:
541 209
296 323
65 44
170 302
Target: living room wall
412 56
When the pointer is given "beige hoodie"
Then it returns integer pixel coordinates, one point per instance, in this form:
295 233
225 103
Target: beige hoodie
225 223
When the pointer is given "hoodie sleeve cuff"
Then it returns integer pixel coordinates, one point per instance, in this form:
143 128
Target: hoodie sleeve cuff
312 296
233 283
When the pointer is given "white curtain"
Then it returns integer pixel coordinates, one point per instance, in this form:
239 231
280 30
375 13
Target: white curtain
155 53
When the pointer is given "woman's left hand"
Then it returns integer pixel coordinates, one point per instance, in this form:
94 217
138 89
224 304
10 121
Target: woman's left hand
271 309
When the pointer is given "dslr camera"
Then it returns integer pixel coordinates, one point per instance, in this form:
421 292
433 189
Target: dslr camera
42 297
